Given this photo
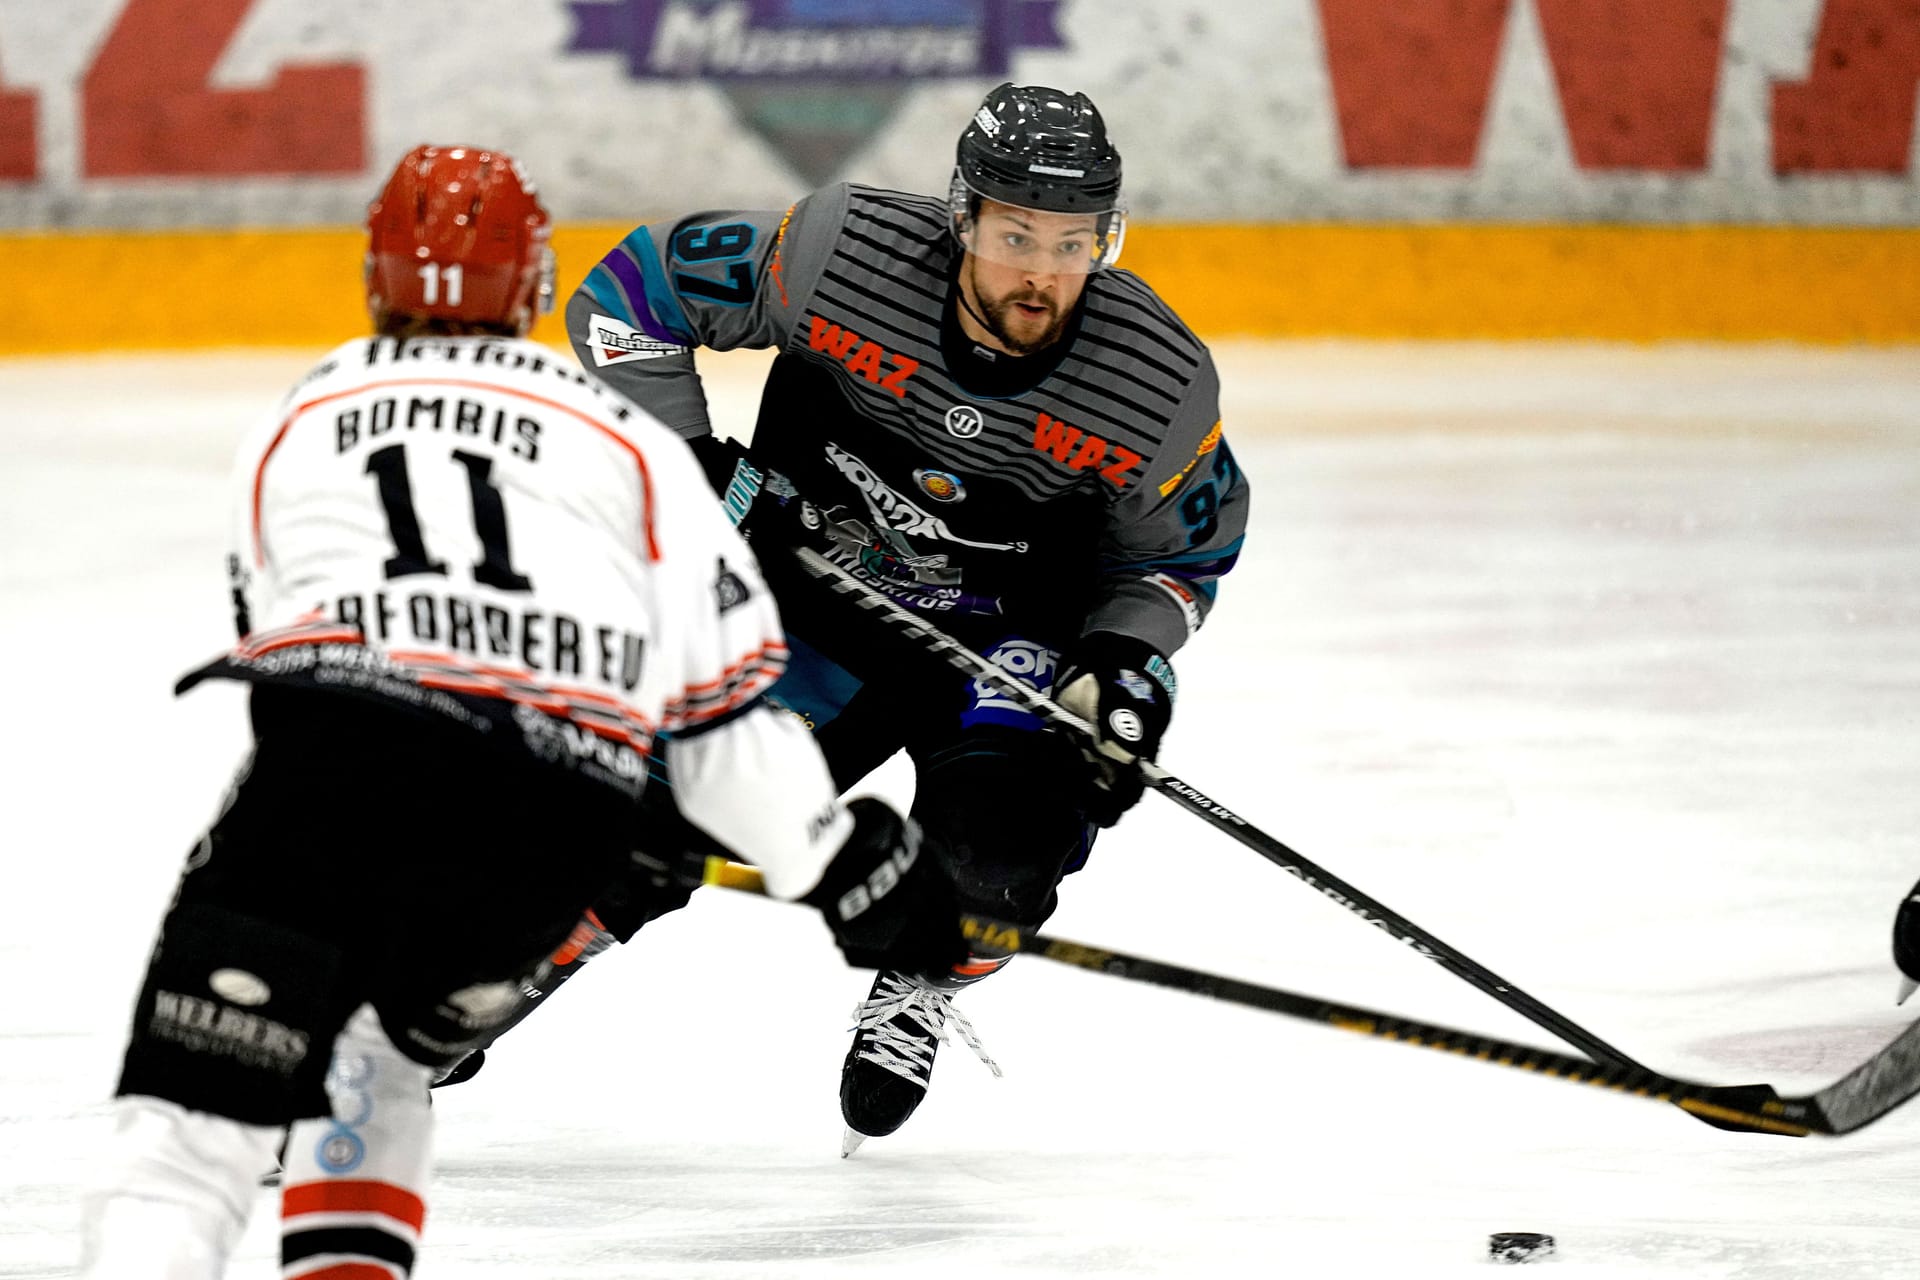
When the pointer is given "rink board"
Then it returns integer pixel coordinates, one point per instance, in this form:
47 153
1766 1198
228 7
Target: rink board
161 290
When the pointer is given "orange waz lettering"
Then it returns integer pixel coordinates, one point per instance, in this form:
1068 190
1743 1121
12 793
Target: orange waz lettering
862 357
1082 452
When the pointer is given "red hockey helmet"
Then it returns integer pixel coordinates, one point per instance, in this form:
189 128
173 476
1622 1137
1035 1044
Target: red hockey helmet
459 235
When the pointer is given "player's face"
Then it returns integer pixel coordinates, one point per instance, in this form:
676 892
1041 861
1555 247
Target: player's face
1024 272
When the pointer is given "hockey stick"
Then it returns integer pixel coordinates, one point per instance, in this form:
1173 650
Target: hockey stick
1194 801
1868 1092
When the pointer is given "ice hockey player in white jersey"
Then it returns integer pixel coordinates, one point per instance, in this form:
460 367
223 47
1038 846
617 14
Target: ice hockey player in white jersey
476 590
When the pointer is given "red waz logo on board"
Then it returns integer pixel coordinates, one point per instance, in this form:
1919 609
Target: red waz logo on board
862 357
1081 451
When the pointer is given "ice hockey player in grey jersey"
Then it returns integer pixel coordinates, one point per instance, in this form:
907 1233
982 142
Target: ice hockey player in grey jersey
974 413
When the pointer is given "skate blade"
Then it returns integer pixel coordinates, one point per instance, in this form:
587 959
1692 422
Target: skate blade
850 1142
1907 987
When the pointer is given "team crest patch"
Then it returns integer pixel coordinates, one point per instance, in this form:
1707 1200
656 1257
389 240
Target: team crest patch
730 590
616 342
941 486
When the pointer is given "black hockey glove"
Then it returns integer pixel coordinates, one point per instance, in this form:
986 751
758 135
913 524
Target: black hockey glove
1124 689
734 475
889 902
760 502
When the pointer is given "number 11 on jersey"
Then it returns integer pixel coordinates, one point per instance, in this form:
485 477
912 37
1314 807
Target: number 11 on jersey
388 466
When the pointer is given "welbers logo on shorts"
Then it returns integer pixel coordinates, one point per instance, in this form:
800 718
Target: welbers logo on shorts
616 342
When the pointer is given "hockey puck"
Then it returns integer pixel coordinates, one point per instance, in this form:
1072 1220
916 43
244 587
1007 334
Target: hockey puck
1519 1246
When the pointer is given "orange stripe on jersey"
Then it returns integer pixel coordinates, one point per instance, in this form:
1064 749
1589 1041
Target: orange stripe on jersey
572 693
354 1196
771 651
639 459
617 732
747 693
334 635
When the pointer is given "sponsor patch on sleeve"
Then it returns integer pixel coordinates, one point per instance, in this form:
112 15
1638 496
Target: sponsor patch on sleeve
616 342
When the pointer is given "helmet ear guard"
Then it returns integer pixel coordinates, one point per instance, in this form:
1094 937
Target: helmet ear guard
457 238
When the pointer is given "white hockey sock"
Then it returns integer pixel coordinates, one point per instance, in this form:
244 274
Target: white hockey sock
354 1197
176 1193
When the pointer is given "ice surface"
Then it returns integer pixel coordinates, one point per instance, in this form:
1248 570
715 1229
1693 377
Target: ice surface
1602 664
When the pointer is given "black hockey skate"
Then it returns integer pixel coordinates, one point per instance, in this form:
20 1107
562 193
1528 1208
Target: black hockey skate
1906 943
898 1029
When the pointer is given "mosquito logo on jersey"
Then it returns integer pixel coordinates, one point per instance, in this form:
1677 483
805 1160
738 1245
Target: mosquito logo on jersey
898 518
964 422
941 486
617 342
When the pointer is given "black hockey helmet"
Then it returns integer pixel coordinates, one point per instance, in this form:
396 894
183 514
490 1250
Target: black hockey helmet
1044 150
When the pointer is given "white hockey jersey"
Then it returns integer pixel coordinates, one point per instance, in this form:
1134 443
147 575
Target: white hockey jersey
473 528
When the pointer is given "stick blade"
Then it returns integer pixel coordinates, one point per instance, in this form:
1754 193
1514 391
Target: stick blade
1875 1087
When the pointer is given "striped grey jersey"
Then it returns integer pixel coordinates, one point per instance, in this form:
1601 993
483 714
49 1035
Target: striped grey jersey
1103 498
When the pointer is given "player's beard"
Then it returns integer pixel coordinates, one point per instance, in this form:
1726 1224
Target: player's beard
999 317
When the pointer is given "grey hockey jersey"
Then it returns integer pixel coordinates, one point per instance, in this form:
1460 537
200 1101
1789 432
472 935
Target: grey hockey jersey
1084 488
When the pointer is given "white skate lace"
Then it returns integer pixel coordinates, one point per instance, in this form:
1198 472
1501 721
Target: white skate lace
898 1049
